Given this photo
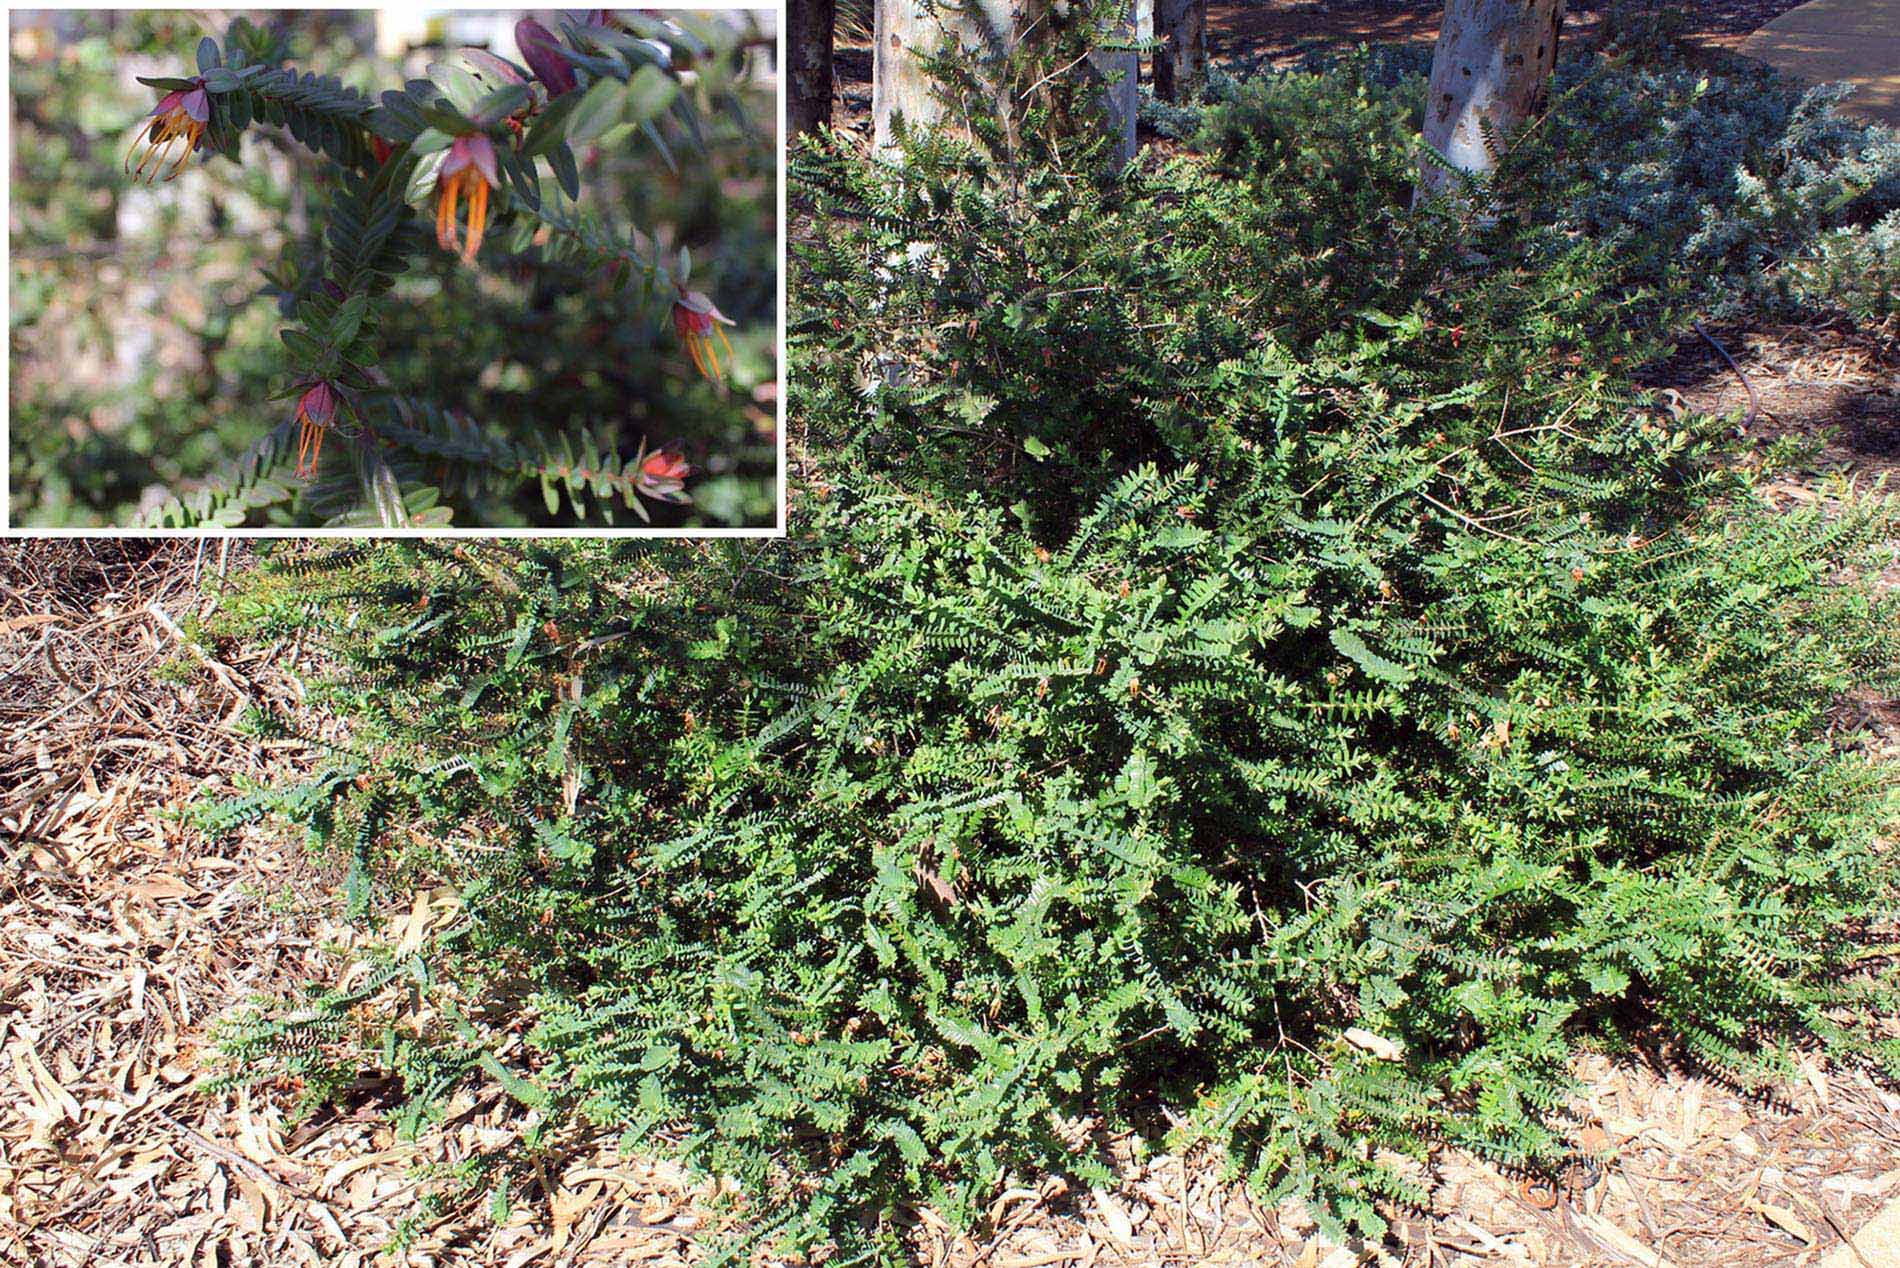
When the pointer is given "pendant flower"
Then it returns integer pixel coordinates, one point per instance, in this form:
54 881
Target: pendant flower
181 115
316 410
661 475
693 318
469 167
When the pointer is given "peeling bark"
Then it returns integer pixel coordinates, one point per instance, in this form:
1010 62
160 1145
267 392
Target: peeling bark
1490 75
1181 61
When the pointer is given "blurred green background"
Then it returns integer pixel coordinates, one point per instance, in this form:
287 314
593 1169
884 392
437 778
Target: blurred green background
144 322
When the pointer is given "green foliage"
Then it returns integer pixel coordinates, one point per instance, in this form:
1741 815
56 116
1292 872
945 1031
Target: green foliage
1718 187
563 347
1243 647
1721 184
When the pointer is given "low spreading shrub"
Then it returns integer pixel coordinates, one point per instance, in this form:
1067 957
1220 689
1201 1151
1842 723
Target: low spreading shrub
1718 187
1300 686
1721 181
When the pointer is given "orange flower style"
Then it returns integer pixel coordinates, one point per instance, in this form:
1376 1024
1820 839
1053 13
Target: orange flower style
181 115
469 168
694 318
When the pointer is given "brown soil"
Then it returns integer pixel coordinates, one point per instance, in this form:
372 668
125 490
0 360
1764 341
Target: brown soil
1826 383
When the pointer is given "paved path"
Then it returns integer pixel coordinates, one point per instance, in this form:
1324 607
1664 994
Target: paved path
1855 40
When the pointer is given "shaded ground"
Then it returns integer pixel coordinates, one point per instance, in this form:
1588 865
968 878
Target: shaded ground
1830 383
1827 40
1279 31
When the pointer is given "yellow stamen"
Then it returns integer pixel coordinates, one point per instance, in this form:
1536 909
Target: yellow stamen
158 137
309 444
161 139
190 135
138 138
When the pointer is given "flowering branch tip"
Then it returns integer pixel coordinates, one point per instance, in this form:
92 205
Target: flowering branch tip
696 321
469 168
181 115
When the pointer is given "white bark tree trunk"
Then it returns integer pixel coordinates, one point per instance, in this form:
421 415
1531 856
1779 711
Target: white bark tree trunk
1490 72
1124 69
907 32
1181 61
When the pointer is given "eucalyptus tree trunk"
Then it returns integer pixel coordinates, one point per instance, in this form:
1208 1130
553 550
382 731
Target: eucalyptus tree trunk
808 37
909 32
1181 60
1490 74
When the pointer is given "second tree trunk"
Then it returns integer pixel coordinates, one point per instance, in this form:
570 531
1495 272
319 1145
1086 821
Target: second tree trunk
907 33
808 38
1181 58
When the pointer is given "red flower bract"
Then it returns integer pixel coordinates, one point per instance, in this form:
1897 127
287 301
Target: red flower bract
316 409
661 475
666 465
470 167
181 115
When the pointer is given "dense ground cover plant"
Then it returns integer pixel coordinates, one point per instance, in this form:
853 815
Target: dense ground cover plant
527 361
1301 686
1737 186
1737 182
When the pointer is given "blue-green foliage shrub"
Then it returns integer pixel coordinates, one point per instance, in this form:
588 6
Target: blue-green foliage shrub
1734 186
1727 178
1237 651
1858 269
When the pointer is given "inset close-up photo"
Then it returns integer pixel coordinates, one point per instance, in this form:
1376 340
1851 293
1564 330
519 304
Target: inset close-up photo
395 269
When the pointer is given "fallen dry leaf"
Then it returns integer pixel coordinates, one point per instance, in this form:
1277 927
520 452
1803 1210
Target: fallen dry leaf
1378 1045
1785 1219
1113 1215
